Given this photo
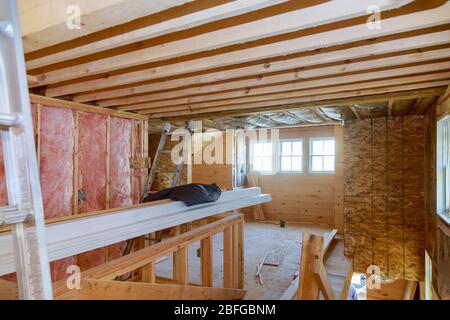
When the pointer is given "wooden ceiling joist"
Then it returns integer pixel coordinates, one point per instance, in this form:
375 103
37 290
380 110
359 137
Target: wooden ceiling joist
43 23
404 23
305 93
198 13
382 94
304 18
337 102
205 59
259 69
270 84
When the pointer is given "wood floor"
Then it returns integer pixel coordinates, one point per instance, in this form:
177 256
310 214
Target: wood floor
259 239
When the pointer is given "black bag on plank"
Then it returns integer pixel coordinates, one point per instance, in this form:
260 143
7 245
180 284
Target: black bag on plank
190 194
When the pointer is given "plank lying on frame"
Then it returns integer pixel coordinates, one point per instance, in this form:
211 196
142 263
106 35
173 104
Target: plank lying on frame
52 102
72 237
120 290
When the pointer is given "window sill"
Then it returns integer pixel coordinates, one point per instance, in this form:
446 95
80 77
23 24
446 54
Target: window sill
444 218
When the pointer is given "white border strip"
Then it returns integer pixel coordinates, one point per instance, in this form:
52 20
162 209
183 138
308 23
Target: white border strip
68 238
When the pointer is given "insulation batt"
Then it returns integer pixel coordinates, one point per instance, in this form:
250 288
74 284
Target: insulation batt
56 170
56 161
120 171
3 192
92 161
92 166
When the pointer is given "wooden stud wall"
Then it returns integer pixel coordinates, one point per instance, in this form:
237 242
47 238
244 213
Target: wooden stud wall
384 195
437 233
39 102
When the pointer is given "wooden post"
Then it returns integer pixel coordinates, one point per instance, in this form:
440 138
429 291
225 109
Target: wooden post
108 161
75 163
181 266
228 258
236 255
339 179
149 273
311 252
240 256
206 262
133 154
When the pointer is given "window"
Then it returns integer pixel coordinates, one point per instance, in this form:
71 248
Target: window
443 168
291 158
322 154
262 156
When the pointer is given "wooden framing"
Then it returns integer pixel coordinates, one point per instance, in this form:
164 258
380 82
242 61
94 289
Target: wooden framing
250 57
98 282
82 107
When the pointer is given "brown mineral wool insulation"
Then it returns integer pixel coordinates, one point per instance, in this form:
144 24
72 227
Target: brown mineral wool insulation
92 171
56 161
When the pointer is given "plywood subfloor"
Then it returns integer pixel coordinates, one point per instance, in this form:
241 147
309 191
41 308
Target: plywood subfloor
259 239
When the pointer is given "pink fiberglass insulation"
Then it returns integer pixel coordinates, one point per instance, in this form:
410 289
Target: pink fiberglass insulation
137 172
120 171
91 259
92 161
56 170
92 175
58 268
56 163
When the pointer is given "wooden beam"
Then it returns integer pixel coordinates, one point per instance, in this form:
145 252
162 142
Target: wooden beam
322 279
325 84
108 162
206 262
181 266
8 290
308 285
149 273
121 290
227 258
269 27
51 27
83 107
147 255
390 106
342 36
298 97
328 237
76 151
194 14
335 100
371 49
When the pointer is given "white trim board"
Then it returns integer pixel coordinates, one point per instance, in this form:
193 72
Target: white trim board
68 238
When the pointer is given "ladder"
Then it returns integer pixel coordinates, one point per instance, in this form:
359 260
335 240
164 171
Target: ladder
161 149
24 212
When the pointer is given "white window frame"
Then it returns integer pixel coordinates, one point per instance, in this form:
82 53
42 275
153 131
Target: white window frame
310 155
252 148
443 168
280 155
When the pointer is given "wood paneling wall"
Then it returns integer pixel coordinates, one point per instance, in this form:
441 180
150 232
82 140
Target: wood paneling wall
437 231
301 197
384 195
220 173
